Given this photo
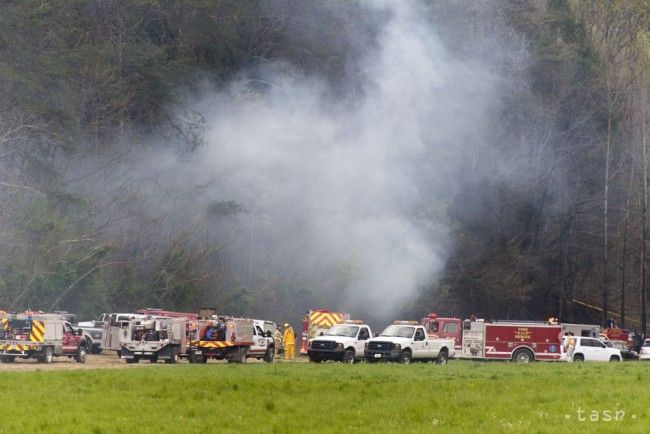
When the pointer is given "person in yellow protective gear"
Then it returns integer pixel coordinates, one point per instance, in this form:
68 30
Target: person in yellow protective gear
277 340
289 342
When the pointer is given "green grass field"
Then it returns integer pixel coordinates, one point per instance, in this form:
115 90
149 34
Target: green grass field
283 397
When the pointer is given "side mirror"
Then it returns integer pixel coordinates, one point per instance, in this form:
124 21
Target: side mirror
268 334
80 332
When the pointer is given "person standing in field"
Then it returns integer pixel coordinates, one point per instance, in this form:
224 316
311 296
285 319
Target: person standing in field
289 342
277 339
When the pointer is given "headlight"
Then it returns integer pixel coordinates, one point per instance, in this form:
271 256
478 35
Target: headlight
397 347
339 346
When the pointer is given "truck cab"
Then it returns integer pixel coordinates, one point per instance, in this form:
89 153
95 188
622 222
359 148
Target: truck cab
405 341
448 328
343 342
263 347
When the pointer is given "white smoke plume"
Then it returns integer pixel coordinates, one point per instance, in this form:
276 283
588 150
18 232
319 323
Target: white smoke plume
345 195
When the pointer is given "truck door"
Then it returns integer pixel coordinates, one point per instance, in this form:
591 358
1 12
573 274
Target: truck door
420 344
70 339
362 337
259 340
451 330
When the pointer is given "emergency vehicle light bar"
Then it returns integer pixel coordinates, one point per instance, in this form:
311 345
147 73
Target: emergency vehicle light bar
405 322
353 321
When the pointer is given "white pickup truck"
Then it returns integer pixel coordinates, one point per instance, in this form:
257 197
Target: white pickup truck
344 342
405 342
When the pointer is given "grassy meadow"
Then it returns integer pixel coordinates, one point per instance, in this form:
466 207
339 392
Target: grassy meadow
299 397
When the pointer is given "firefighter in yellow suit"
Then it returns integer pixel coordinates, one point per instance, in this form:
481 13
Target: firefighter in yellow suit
289 342
277 340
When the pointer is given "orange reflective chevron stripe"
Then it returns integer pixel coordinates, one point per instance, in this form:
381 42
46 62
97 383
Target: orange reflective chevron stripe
215 344
38 331
5 323
325 319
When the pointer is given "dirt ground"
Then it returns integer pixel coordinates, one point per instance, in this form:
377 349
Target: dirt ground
106 360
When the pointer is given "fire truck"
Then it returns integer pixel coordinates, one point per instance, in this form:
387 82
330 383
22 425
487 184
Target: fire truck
152 338
519 341
316 323
220 338
40 336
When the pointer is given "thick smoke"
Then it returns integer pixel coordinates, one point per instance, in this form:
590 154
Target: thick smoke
346 195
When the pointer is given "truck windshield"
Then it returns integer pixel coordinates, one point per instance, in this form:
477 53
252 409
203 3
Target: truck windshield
398 331
343 330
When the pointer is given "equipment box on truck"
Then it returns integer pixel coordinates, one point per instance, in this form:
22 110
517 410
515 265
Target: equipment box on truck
152 338
221 338
41 337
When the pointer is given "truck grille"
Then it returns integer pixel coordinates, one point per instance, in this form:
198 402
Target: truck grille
323 345
380 346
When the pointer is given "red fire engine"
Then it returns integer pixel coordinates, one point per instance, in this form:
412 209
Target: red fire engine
518 341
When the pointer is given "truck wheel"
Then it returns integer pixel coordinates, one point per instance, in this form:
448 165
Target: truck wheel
523 355
614 359
349 357
269 355
7 359
174 357
578 358
97 349
315 359
133 360
442 358
81 354
405 357
153 358
204 359
47 355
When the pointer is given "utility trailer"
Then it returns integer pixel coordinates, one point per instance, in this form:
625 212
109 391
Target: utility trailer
150 338
40 336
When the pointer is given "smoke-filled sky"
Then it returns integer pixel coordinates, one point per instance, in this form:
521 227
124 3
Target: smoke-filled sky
346 195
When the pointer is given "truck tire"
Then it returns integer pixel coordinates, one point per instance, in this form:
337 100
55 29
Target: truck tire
578 358
153 358
133 360
349 356
7 359
204 359
239 356
97 349
173 358
442 358
269 355
80 357
405 357
47 355
523 355
614 359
